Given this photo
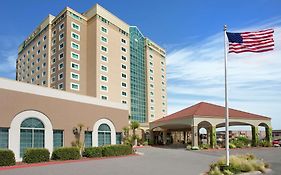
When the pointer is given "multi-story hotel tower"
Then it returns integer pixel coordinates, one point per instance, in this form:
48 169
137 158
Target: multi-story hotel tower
97 54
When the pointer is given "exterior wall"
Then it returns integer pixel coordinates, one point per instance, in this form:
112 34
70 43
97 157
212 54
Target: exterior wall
156 81
52 104
33 58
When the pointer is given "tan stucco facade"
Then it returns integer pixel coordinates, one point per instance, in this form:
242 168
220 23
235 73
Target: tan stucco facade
64 110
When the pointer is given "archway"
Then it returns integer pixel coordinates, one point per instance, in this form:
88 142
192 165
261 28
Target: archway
206 134
104 132
30 122
265 133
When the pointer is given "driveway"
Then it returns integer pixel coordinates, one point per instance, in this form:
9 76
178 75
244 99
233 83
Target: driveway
156 161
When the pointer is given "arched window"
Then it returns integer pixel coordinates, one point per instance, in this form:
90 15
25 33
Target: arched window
104 135
32 132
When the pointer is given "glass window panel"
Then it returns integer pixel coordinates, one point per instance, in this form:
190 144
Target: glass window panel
25 140
58 138
104 127
32 123
4 137
88 139
118 137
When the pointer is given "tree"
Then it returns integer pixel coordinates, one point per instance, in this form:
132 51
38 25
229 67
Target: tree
134 125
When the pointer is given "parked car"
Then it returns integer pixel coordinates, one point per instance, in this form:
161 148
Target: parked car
276 142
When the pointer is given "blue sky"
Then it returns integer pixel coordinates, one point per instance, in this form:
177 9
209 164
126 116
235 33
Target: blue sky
191 32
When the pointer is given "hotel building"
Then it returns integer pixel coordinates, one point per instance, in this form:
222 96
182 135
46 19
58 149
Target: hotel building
96 54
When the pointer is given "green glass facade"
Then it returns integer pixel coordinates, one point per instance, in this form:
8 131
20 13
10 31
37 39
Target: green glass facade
58 138
4 138
32 134
138 75
88 139
104 135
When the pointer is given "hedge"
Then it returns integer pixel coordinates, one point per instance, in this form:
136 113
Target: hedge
34 155
93 152
7 157
116 150
67 153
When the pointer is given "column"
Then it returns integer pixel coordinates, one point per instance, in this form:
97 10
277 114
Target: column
184 136
213 137
194 136
151 135
255 136
268 132
164 137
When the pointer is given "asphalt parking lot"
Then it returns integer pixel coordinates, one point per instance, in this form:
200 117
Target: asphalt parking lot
156 161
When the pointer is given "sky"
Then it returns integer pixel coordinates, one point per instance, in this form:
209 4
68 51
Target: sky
192 34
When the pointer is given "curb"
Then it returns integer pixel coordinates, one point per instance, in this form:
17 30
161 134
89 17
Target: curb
61 162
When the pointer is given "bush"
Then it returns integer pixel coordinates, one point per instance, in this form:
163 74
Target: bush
67 153
204 146
116 150
7 158
35 155
194 148
93 152
232 146
238 164
264 143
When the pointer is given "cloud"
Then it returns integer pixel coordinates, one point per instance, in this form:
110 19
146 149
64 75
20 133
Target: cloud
196 73
8 55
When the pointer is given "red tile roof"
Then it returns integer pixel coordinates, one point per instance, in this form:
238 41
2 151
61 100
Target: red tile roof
204 109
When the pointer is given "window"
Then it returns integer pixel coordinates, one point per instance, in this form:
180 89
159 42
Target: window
103 68
75 46
54 42
60 66
61 36
54 60
103 88
44 38
61 56
104 30
124 75
38 60
38 68
32 134
118 137
44 47
123 66
151 78
61 26
123 84
124 101
123 49
103 97
4 138
38 52
43 74
53 70
54 52
75 36
88 139
103 48
54 33
104 58
43 82
58 138
38 43
151 85
123 41
74 76
74 66
103 78
61 45
104 39
124 93
75 26
124 58
75 16
75 56
104 135
60 76
74 86
53 79
60 86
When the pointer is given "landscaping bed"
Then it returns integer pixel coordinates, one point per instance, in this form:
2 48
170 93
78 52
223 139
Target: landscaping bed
239 164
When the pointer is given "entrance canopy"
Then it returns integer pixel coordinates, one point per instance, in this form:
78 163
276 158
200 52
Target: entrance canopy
208 116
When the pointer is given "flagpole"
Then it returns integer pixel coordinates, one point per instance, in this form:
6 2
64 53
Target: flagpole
226 98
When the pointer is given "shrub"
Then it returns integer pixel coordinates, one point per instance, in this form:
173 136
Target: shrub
116 150
7 158
232 146
35 155
194 148
238 164
67 153
93 152
264 143
205 146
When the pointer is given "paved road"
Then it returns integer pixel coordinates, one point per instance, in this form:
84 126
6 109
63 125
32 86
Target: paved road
156 161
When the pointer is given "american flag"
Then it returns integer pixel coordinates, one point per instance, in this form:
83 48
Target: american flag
260 41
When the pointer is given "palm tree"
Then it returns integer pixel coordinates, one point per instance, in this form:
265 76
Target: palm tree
134 125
